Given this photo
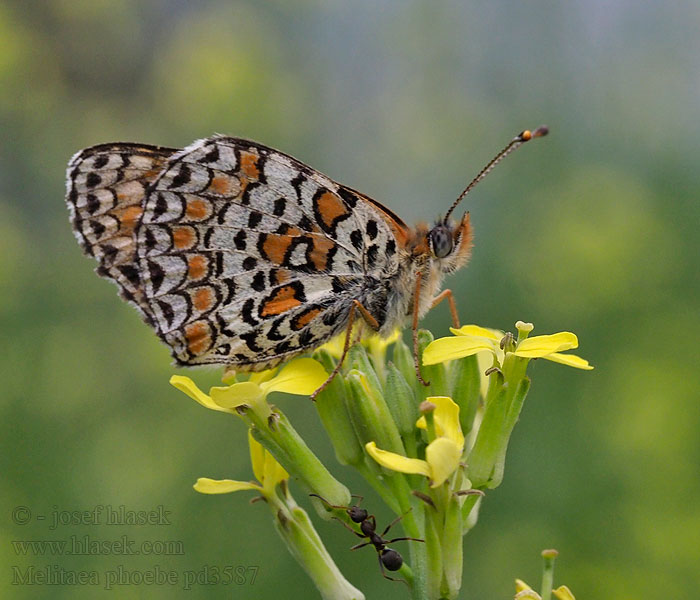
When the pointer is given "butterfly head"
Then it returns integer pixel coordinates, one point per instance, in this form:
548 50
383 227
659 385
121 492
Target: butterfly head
449 243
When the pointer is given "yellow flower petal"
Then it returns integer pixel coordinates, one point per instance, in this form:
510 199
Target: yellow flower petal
563 593
245 392
302 376
542 345
186 385
520 585
446 415
443 456
274 473
527 595
257 457
570 360
492 334
205 485
261 376
376 344
450 348
396 462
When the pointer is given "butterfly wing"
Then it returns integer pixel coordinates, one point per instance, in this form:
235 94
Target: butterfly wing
246 256
107 187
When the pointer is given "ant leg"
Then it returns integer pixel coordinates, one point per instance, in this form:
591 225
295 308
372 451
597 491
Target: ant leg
401 539
395 521
358 546
344 524
322 499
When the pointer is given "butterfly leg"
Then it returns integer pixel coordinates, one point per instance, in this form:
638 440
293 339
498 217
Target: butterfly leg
414 329
447 294
369 319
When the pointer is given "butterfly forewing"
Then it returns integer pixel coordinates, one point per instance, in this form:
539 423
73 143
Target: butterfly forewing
107 188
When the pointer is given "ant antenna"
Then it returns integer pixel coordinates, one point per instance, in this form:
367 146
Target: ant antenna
515 143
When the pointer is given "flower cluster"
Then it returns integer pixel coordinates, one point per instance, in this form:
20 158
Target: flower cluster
430 452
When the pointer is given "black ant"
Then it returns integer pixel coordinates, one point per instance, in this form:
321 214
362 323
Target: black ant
388 557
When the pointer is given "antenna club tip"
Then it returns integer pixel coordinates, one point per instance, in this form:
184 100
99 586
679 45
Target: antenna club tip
527 135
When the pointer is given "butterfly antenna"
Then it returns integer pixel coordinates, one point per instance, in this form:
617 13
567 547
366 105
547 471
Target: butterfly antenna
515 143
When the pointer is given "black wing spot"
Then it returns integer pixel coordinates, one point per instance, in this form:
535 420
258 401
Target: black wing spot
131 273
306 337
349 198
183 176
161 206
390 248
372 253
250 339
212 155
247 312
280 206
249 263
167 311
97 228
239 239
100 161
356 239
157 276
372 229
93 180
258 283
305 223
92 204
254 219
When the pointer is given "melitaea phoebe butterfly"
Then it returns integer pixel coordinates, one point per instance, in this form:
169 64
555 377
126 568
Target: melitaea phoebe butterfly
240 255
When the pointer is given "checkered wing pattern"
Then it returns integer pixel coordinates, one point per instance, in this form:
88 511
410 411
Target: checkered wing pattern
236 253
107 188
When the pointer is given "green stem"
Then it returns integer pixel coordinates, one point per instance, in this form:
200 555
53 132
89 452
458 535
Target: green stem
303 542
549 557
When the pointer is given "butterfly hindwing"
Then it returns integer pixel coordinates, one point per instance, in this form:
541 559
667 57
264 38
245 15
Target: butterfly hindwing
248 256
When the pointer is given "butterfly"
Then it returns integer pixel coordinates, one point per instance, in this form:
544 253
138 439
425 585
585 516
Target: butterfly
240 255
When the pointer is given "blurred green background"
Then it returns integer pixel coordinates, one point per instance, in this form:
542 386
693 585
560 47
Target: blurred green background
593 230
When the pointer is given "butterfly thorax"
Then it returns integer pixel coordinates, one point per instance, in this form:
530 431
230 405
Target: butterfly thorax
421 259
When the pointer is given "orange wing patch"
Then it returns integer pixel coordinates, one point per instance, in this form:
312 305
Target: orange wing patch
225 185
197 209
203 299
249 165
275 247
304 318
197 266
320 251
281 300
128 218
198 337
329 208
184 237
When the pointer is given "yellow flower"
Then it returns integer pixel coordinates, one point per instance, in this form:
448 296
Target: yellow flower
442 455
301 376
472 339
525 592
374 343
267 470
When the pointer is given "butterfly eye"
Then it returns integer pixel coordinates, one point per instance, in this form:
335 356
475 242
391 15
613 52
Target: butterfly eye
441 241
